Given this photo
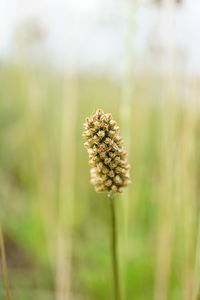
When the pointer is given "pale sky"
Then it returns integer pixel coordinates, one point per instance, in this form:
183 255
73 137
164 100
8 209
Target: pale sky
96 30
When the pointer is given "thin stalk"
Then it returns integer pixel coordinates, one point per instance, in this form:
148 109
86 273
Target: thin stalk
114 249
66 185
126 114
196 284
4 266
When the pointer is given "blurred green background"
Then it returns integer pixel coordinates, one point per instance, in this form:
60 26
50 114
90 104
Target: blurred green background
56 228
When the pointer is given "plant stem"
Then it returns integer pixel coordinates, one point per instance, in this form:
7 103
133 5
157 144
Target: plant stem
195 292
4 266
114 249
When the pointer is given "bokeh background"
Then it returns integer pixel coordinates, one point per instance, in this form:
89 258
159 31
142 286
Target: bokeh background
59 62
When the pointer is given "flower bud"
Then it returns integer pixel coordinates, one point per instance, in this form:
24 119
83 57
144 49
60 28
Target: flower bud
110 170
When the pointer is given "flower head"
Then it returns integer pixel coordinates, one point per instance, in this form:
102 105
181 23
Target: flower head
108 159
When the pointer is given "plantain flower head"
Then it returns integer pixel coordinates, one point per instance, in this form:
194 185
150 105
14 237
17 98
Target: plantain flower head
107 158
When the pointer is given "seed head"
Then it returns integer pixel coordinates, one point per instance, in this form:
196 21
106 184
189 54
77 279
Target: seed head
108 159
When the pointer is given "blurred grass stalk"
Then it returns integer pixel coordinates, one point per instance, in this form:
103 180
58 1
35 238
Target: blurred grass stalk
192 126
167 200
4 266
196 275
189 197
126 104
169 166
66 192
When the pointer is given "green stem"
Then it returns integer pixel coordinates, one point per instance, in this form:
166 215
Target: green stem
114 249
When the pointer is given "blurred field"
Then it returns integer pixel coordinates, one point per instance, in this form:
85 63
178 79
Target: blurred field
56 228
